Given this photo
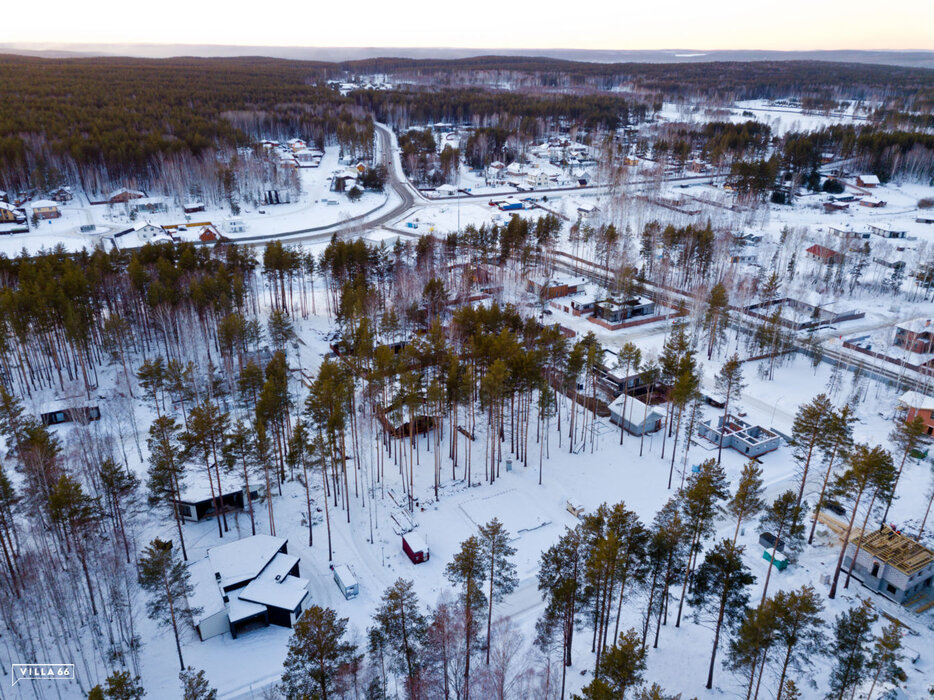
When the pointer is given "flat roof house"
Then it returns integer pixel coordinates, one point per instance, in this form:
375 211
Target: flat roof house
746 438
196 502
640 418
892 564
251 581
613 311
887 230
550 288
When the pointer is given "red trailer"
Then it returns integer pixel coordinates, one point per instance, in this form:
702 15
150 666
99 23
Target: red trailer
415 547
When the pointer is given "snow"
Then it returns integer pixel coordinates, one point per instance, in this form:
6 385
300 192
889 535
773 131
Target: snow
244 559
914 399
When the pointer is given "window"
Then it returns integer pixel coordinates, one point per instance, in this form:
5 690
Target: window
875 570
186 511
890 588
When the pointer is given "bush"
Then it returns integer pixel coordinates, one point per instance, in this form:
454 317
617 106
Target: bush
926 203
354 193
833 186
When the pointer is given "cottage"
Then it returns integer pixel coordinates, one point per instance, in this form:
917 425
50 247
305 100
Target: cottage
45 209
925 217
415 547
871 202
61 195
916 335
210 234
193 205
80 414
123 195
446 190
234 225
847 233
746 438
640 417
615 312
892 564
919 404
886 230
10 214
551 288
867 181
196 501
251 581
827 256
149 205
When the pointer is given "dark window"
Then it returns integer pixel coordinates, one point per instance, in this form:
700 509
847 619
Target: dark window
890 588
875 569
186 511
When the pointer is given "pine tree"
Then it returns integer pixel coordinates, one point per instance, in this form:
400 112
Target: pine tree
750 644
747 501
838 439
808 435
120 685
167 457
168 583
317 655
501 574
468 572
195 686
624 663
630 357
798 631
403 630
655 692
907 435
784 518
716 317
885 659
729 382
720 591
850 650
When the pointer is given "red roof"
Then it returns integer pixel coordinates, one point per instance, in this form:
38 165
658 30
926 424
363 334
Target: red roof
822 252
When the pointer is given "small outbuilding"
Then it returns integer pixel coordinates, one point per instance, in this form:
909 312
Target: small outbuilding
640 418
346 581
415 547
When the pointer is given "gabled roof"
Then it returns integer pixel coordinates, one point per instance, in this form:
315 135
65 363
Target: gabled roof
915 399
43 203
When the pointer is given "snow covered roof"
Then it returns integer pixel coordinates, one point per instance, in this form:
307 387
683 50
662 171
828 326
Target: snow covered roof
635 409
205 593
915 399
43 203
244 559
446 188
275 589
416 542
869 179
8 207
916 325
239 609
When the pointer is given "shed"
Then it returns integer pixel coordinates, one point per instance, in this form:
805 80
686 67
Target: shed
346 581
414 545
640 418
81 414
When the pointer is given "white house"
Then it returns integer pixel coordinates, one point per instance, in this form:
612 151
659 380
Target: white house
249 581
640 418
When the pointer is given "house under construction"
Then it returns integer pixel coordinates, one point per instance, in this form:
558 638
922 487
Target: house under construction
892 564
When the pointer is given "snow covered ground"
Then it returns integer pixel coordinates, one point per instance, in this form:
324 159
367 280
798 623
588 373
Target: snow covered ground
604 471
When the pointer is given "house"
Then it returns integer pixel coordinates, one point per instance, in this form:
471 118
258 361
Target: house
826 256
916 335
847 233
61 195
244 583
415 547
640 417
45 209
871 202
210 234
614 312
585 210
550 288
919 404
925 217
146 232
11 215
80 414
196 501
580 303
887 230
234 225
539 179
867 181
892 564
4 196
276 197
746 438
193 205
123 195
446 190
149 205
343 182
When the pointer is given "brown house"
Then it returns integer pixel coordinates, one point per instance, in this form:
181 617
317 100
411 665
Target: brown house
868 181
45 209
919 405
124 195
7 213
916 335
825 255
556 287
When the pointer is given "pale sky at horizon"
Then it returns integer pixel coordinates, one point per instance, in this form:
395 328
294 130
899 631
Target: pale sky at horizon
597 24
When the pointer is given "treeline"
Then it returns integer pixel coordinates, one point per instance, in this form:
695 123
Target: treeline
722 79
483 107
124 116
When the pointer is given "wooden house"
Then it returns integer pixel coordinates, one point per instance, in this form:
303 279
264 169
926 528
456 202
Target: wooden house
826 256
867 181
415 547
45 209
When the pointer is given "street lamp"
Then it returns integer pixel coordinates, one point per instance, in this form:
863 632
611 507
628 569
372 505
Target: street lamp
774 408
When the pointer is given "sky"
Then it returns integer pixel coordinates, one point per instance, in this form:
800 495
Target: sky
513 24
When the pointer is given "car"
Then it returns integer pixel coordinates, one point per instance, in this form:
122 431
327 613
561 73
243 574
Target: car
834 507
